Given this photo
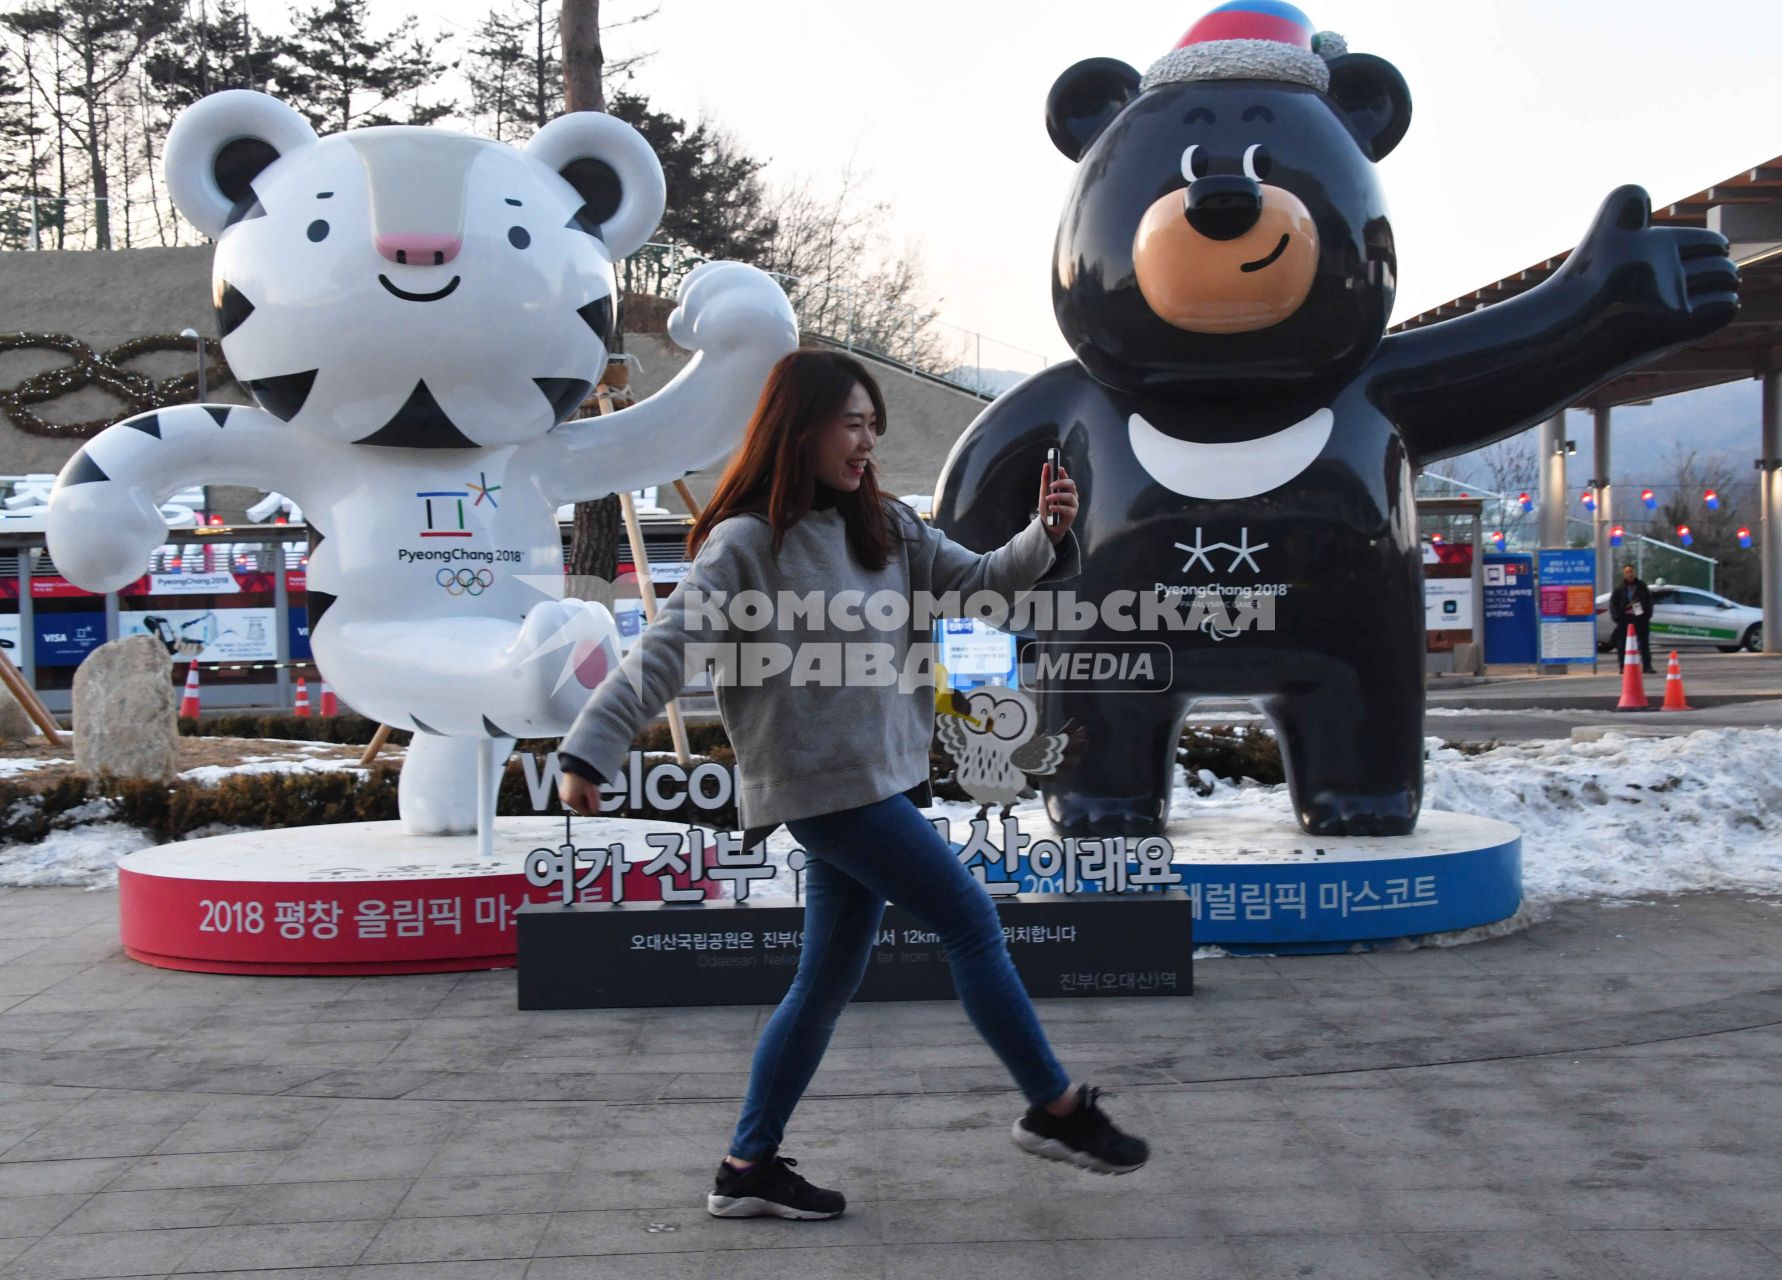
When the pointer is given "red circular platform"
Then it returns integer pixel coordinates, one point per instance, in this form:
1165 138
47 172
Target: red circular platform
356 898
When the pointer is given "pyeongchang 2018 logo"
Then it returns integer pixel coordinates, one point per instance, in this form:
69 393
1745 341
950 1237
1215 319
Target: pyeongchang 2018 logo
1225 610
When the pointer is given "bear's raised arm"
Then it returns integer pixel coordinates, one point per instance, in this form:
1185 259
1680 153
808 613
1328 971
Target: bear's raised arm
1627 293
738 323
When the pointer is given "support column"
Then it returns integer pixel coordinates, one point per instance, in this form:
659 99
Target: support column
1770 482
1478 592
27 658
281 651
1552 464
1605 502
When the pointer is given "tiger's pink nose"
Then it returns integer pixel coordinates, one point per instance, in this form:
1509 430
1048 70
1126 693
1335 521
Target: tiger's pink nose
419 250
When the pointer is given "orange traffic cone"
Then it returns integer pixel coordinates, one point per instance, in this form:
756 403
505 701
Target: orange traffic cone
1673 687
1633 683
301 707
188 703
330 704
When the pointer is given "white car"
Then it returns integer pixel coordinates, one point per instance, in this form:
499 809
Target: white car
1689 616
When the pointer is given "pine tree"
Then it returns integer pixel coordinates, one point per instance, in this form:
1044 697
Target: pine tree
338 74
21 188
513 67
716 205
209 50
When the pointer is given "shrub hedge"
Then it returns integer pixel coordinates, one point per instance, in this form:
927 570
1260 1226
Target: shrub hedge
352 730
169 810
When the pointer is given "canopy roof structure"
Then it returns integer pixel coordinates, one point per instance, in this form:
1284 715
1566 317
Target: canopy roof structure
1747 209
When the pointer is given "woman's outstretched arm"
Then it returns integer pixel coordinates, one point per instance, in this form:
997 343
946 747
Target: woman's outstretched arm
655 670
1031 557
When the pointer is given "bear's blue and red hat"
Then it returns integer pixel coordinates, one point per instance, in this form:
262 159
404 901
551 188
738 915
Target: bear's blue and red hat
1251 40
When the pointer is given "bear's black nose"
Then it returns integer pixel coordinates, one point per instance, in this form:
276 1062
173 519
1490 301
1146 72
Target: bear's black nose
1223 206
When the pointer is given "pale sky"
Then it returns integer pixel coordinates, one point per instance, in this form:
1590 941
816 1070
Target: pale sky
1525 116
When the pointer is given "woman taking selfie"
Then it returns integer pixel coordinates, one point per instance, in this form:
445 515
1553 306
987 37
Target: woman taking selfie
841 756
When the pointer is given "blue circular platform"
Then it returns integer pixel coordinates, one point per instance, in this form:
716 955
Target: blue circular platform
1259 883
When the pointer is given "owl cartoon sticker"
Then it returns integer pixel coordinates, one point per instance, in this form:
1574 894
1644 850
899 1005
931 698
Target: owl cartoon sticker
993 735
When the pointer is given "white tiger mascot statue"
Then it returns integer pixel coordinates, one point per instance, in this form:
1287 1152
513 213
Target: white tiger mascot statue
416 313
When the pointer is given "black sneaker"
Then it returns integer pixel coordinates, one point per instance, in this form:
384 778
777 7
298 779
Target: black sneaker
1085 1137
769 1189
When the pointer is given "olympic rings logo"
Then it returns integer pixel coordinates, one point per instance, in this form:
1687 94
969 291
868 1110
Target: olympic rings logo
465 582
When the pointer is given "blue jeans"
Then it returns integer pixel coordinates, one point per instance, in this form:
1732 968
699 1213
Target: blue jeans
856 859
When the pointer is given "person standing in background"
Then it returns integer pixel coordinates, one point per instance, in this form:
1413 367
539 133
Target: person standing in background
1630 608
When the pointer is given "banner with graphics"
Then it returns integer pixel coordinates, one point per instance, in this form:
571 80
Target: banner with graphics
208 635
1568 606
65 638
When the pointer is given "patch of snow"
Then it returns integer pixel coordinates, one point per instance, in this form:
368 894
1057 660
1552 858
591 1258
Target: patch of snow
1625 816
97 809
1621 817
1501 711
82 855
25 764
211 774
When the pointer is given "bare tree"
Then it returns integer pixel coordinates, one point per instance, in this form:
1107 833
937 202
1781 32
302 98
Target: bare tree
99 42
1693 475
502 72
829 250
20 133
1509 466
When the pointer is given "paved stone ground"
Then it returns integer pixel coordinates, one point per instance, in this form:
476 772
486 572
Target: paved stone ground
1598 1097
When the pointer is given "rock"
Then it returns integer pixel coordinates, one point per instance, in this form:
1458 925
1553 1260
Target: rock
15 725
124 710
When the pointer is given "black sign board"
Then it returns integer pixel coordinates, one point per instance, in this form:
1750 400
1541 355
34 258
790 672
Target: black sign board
652 954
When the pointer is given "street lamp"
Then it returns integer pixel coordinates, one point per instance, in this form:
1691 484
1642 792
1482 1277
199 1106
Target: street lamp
198 342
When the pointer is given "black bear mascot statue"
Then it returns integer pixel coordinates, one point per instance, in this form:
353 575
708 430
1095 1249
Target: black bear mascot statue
1244 433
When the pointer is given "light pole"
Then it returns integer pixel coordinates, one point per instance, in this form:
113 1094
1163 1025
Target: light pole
198 342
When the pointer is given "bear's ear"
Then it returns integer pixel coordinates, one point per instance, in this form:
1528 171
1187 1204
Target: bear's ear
613 170
220 144
1084 99
1375 98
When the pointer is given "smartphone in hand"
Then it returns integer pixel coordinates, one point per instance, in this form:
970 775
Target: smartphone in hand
1054 460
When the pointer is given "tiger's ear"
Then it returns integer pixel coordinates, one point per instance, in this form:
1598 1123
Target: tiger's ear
220 144
613 170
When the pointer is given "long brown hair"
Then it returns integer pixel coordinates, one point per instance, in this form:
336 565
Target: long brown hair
771 472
